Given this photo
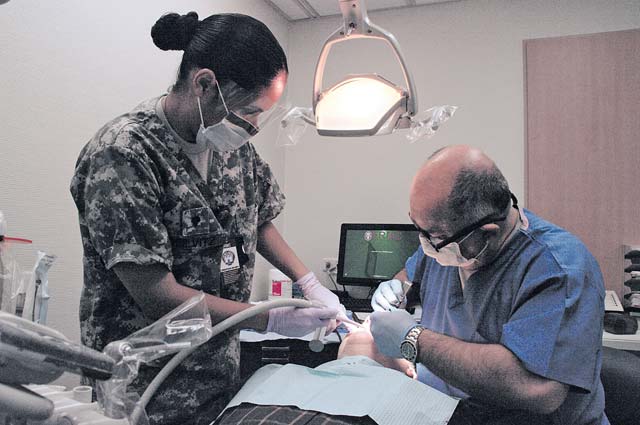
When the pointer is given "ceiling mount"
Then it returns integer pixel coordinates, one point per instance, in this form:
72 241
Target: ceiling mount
298 10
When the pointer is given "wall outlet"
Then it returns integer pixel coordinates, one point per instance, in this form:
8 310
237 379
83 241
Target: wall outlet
330 264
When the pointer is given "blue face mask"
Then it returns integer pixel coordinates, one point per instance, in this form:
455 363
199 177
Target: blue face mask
227 135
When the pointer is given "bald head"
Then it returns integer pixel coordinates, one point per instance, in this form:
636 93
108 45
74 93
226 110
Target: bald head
456 184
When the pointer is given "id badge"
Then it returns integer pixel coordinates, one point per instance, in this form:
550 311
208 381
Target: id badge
229 260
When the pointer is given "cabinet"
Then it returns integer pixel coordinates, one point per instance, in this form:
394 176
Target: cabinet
256 353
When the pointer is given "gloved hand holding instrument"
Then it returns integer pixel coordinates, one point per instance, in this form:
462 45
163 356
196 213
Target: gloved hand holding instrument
390 295
313 290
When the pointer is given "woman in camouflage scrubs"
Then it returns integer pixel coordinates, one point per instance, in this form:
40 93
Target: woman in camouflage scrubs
158 206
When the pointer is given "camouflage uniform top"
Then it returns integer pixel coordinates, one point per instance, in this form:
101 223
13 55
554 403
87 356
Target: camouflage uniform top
140 199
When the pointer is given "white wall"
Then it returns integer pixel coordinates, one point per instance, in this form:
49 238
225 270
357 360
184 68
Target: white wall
67 68
466 53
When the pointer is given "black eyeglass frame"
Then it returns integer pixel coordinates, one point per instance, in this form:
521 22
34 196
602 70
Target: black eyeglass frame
467 230
236 119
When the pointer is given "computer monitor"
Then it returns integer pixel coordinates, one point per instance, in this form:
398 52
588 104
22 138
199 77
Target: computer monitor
372 253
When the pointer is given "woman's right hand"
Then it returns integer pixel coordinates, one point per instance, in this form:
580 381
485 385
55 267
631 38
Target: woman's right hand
297 322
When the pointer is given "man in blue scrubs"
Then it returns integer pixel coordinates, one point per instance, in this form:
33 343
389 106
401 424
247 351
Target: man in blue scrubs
512 305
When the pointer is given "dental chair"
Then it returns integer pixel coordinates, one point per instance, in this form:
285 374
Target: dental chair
34 354
620 376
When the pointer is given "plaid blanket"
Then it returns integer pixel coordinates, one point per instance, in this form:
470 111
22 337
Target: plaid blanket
467 413
251 414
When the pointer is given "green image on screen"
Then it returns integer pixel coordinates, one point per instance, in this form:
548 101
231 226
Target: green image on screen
377 254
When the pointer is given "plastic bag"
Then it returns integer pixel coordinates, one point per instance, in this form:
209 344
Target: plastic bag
13 279
186 326
293 126
425 124
9 279
36 291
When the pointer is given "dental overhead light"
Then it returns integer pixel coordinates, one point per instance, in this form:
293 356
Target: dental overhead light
365 104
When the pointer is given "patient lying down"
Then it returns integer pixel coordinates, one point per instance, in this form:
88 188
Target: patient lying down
359 342
361 387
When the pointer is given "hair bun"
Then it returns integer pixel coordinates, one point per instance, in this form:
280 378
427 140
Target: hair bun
173 31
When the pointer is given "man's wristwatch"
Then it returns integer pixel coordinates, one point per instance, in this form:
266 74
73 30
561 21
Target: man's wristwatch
409 347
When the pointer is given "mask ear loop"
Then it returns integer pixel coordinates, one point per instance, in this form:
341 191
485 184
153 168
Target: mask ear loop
200 110
221 98
482 251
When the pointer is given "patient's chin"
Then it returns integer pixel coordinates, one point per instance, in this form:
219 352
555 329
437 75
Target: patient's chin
401 365
411 372
358 331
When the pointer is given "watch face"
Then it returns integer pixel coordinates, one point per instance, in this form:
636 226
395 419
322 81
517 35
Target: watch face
408 350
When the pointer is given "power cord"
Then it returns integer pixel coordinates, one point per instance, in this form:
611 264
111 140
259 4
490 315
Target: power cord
334 282
330 271
371 291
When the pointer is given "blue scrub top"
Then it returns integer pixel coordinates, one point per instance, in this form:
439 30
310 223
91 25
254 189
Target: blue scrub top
542 298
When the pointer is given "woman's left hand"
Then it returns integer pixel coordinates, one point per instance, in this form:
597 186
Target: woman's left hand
313 290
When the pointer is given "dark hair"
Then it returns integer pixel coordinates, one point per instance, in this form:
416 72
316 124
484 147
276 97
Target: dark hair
475 195
235 47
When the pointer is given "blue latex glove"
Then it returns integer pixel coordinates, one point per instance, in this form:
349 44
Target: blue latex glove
387 296
389 329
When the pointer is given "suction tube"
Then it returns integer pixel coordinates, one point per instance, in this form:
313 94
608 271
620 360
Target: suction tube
219 328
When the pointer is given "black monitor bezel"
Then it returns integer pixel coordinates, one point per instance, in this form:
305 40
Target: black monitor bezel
344 228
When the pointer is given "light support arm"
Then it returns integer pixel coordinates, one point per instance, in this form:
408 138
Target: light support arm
354 17
356 25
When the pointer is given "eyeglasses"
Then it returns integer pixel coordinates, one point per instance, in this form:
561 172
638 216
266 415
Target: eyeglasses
466 231
250 110
236 119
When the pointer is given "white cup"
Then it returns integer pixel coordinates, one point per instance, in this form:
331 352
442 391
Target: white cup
83 393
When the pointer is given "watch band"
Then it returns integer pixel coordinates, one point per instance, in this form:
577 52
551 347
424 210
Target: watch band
409 346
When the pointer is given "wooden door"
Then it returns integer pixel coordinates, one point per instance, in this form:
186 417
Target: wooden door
582 132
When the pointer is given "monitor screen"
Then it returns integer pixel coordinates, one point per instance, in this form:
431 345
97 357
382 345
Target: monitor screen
372 253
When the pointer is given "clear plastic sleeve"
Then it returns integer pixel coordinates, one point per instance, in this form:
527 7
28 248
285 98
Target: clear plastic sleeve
14 279
293 125
187 326
295 122
36 298
9 279
427 123
3 224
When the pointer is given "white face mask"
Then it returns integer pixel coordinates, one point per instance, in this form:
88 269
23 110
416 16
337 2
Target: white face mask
224 136
450 255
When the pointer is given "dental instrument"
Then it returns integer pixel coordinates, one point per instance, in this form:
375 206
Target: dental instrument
406 286
317 344
343 318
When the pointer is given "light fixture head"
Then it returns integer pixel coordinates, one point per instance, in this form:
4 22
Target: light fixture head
360 105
